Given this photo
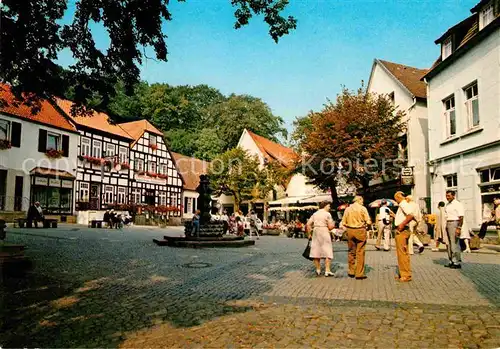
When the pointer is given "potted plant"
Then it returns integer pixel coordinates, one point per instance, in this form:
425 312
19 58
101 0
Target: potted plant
4 144
54 153
154 147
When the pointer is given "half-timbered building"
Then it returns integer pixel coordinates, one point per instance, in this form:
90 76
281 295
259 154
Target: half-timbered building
102 179
154 179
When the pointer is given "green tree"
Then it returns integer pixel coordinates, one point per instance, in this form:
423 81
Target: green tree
301 126
236 113
356 138
181 141
32 36
128 107
207 144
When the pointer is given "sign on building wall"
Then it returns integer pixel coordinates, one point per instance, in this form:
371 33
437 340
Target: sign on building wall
407 176
54 182
41 181
67 184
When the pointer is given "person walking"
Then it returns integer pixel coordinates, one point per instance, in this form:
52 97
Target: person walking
253 225
196 224
319 225
440 235
413 227
402 219
454 224
355 220
384 226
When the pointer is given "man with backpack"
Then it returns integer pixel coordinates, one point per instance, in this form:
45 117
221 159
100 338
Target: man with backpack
384 224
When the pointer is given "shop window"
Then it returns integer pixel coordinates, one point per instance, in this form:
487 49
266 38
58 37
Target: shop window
121 196
84 192
53 141
85 147
108 194
66 199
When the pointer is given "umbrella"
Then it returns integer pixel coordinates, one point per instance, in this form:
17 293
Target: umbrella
377 203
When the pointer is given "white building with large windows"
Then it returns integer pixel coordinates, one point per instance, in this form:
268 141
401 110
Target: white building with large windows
463 91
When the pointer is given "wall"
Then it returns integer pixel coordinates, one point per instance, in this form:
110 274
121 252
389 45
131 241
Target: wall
247 143
482 63
298 186
20 161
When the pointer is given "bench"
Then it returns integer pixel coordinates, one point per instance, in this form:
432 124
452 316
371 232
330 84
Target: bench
96 223
20 222
50 223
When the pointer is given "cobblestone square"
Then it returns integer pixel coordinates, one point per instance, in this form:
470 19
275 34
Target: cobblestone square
104 288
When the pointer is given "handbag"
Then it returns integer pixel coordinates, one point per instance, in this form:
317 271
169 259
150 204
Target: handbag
307 251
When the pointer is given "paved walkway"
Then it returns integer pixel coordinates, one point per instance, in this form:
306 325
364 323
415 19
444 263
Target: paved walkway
102 288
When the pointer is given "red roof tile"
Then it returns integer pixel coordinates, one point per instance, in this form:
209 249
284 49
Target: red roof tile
273 151
190 170
96 121
48 115
410 77
137 128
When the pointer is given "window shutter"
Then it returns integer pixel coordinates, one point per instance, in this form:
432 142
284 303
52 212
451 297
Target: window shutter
65 145
15 139
42 141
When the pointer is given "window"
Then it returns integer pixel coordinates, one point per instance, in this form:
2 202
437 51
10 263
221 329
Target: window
450 116
53 141
446 48
163 169
163 198
152 139
391 98
110 150
84 192
85 147
123 155
451 181
490 175
4 130
136 196
472 105
121 196
108 194
139 165
96 149
486 16
152 166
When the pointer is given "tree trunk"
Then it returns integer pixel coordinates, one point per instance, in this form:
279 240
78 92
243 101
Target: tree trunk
335 196
237 202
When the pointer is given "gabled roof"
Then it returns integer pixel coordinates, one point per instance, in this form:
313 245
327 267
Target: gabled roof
48 115
97 121
273 151
409 77
137 128
190 169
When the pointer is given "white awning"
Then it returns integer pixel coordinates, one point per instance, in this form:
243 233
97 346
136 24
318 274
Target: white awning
289 200
294 208
316 199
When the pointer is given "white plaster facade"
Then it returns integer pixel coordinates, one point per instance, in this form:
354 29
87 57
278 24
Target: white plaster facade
19 161
415 109
471 149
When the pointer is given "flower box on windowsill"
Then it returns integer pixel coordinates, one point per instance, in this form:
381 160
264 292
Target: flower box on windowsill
124 166
5 144
154 147
54 153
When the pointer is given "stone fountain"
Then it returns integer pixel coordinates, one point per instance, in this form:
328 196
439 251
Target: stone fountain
210 233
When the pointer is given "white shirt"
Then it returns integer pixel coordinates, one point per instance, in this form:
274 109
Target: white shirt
383 213
39 209
404 209
454 210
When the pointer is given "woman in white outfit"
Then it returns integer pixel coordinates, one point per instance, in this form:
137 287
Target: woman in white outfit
413 228
321 223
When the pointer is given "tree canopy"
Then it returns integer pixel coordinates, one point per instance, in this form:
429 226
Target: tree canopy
33 35
355 138
239 174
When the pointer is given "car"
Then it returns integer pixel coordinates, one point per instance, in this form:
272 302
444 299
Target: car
246 220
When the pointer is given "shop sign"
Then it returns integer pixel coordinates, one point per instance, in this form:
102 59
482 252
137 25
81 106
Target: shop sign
150 180
67 184
407 176
41 181
54 182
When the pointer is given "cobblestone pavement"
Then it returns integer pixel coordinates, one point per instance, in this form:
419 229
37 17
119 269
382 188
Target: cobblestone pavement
102 288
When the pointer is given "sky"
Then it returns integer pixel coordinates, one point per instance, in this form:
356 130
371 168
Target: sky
334 45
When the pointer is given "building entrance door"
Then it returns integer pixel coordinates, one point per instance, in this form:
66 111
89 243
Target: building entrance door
3 188
95 193
150 197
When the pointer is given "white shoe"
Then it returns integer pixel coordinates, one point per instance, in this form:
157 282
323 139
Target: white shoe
318 272
328 273
468 250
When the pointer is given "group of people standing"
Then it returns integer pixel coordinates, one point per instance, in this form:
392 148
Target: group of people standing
450 229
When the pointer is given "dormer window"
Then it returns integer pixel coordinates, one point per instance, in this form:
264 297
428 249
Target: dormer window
486 16
446 48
